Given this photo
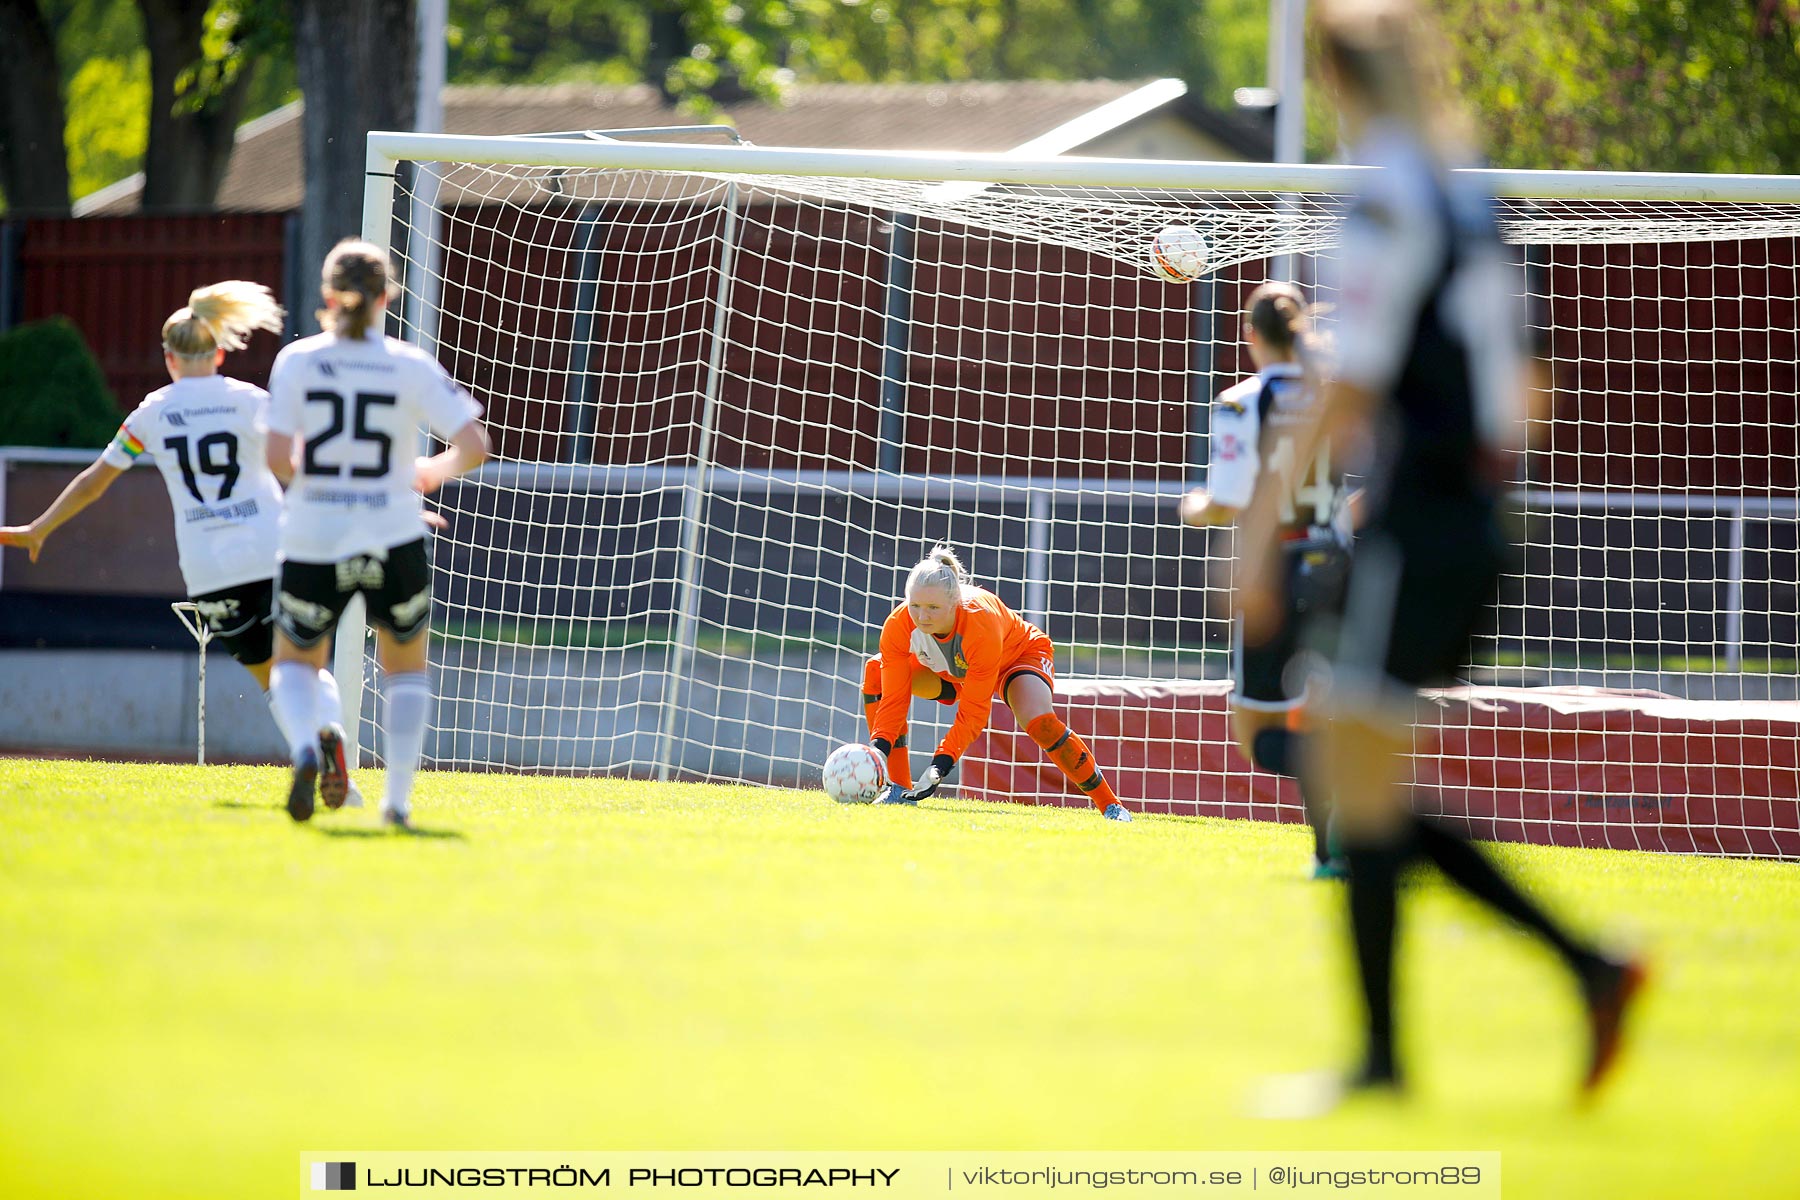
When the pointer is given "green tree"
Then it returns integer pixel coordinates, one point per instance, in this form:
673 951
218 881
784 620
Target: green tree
157 85
34 170
357 62
104 73
109 120
1624 84
201 56
52 392
698 50
1670 85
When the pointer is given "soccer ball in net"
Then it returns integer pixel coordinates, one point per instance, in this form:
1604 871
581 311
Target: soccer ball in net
855 774
1179 254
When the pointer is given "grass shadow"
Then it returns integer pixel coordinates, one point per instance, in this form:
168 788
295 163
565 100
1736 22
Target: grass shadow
415 832
958 807
993 810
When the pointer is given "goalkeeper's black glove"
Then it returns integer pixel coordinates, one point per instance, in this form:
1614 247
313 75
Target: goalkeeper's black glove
941 766
883 746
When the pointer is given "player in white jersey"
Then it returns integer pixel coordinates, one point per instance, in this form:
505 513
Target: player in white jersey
205 433
1254 424
345 412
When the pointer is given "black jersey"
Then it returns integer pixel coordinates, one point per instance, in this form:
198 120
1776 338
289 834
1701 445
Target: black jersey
1433 326
1430 321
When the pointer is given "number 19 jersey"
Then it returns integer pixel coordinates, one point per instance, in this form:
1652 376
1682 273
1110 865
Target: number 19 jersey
205 434
356 405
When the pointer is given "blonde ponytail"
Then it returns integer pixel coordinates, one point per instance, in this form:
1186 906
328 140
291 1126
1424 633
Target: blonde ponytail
940 568
221 317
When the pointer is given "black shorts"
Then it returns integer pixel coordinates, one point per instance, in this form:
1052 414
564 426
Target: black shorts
396 585
240 621
1271 677
1419 592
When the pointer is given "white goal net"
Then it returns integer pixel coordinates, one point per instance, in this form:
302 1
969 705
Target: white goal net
736 393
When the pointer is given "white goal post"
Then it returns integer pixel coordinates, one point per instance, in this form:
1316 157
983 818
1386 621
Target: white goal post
737 390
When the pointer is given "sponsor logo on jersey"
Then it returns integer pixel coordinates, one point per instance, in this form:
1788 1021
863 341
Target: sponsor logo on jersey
349 499
959 666
329 369
1292 400
239 510
1293 397
175 419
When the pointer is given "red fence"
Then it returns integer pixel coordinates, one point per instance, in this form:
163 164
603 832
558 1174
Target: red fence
119 278
1018 353
1555 766
1678 365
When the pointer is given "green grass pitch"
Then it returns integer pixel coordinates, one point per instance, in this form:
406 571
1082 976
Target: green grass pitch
192 990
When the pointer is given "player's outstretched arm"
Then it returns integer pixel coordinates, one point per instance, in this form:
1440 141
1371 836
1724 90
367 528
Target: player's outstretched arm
974 704
82 491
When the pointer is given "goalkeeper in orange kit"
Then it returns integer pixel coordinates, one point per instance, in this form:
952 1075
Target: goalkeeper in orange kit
959 644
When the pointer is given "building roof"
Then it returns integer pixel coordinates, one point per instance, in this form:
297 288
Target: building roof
1032 116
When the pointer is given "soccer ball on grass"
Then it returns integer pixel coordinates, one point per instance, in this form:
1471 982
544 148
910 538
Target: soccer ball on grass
855 774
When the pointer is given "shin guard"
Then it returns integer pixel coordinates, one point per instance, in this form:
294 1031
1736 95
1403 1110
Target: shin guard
1070 754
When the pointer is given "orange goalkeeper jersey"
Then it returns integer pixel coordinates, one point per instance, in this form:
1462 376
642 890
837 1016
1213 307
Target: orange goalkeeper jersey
989 637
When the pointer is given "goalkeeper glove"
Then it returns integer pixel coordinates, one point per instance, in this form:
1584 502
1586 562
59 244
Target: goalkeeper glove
941 766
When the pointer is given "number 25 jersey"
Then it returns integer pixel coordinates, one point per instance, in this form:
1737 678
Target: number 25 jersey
356 405
205 434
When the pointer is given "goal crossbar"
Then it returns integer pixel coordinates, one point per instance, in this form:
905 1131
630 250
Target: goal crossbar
385 149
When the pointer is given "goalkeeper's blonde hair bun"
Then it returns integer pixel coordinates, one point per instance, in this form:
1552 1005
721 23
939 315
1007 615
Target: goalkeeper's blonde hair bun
940 568
221 316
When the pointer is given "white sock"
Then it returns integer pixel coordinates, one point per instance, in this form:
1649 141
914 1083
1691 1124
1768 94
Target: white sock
276 713
331 706
408 698
293 696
